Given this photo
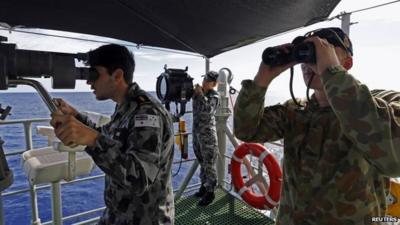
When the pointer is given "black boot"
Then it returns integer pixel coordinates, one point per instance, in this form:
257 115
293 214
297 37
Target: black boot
201 192
207 198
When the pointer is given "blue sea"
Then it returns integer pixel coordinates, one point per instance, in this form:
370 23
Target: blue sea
77 197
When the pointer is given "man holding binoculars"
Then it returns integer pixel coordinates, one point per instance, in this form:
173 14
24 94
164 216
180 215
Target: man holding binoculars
341 146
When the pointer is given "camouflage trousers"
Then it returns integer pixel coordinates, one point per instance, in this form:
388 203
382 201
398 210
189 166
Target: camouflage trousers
205 148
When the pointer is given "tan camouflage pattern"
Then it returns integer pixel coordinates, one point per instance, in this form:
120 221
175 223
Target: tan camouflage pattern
205 137
337 159
137 162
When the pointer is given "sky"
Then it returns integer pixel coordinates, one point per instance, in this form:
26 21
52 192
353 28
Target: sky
375 35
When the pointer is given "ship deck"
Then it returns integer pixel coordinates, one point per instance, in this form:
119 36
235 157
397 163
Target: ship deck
226 209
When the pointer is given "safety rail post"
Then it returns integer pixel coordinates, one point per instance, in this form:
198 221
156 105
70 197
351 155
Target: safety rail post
56 203
222 116
32 188
231 137
188 177
28 134
34 205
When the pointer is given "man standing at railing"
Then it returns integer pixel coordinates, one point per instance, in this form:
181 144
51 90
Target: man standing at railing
134 150
205 102
340 146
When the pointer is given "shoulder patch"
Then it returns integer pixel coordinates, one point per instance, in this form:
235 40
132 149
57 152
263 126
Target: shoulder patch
147 120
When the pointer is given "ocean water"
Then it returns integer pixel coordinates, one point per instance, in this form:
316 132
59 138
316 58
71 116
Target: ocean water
76 198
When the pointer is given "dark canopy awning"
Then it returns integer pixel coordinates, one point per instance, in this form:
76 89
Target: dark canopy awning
207 27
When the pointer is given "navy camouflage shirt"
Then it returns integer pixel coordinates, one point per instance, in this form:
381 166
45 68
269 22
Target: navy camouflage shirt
135 151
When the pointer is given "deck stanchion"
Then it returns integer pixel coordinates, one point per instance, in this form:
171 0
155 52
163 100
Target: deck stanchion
34 205
32 188
188 177
28 135
222 115
56 203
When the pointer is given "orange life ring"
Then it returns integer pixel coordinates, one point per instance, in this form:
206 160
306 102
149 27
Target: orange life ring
270 199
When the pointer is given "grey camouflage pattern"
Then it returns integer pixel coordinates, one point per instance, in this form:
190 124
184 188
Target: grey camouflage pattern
137 162
337 159
205 137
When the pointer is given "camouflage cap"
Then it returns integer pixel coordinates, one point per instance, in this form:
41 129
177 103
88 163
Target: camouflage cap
334 35
211 76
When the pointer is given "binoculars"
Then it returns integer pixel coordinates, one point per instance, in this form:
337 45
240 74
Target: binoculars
299 51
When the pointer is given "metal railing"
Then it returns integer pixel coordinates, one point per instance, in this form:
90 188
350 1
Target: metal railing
27 126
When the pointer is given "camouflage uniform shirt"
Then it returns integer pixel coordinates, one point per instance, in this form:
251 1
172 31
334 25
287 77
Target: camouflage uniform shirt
205 136
337 159
204 108
135 151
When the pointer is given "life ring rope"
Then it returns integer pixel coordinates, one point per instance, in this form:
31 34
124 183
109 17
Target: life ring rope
237 159
269 199
262 157
243 189
253 180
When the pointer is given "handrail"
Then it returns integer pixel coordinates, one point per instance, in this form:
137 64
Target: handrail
35 219
35 120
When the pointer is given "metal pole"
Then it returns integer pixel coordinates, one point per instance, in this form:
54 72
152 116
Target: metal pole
39 88
207 65
231 137
34 205
71 166
221 121
56 203
188 177
32 188
222 116
28 135
345 17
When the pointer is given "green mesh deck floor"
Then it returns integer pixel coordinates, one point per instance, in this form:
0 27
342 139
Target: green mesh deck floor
225 209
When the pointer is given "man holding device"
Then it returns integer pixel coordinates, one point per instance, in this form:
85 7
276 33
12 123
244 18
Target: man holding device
340 146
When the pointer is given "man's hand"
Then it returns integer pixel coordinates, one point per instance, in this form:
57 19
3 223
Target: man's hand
71 131
325 55
65 107
198 90
267 73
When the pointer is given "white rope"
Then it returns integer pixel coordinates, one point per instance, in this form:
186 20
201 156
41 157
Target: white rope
253 180
237 159
262 157
270 201
242 190
260 168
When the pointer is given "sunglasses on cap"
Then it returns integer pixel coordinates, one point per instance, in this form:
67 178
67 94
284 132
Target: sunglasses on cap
334 36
